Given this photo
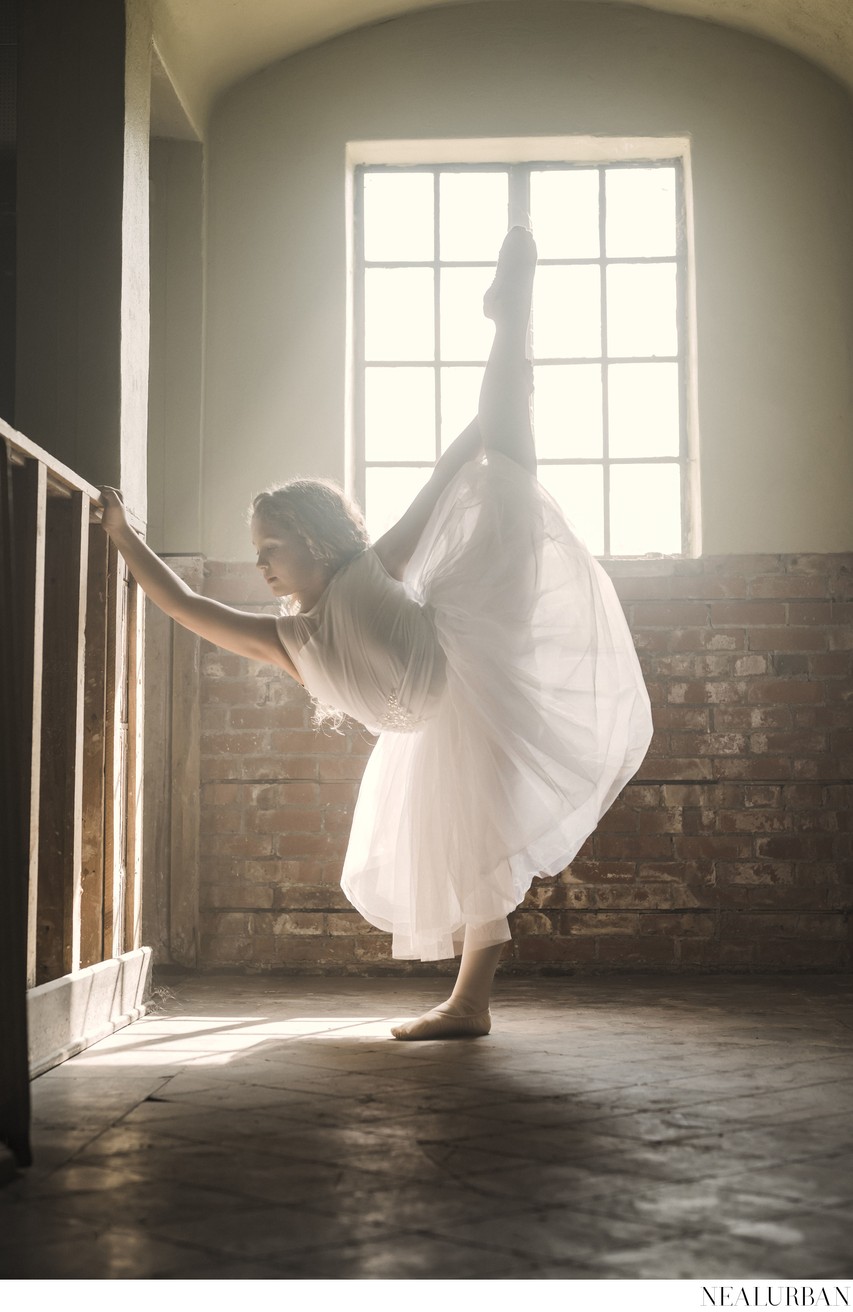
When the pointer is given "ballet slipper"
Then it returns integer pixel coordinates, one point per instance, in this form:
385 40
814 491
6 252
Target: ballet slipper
510 294
441 1024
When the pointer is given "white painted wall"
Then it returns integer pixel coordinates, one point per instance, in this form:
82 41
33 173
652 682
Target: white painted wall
771 138
175 381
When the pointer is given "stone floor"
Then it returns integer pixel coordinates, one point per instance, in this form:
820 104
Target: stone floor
608 1128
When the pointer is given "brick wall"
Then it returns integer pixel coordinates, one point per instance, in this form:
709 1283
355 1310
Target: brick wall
731 849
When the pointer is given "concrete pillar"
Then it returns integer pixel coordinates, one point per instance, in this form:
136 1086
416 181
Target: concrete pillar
82 289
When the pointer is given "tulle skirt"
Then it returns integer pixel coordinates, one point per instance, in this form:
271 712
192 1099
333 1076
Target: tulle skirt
543 719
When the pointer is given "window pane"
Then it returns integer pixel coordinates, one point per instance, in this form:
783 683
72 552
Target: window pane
460 395
641 310
474 211
579 490
398 314
390 492
567 311
645 509
640 212
398 216
399 414
564 213
465 332
567 410
643 410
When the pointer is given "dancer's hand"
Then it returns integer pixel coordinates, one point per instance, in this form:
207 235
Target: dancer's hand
115 516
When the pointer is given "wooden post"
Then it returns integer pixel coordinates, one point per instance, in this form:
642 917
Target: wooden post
60 827
158 780
115 766
135 771
94 752
29 489
185 763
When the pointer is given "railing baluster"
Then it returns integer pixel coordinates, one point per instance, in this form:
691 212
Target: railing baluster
94 751
29 489
133 797
60 824
112 762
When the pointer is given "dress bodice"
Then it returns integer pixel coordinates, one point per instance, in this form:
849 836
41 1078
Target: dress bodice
368 648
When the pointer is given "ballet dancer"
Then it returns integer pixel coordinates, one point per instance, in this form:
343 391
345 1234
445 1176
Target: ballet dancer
481 642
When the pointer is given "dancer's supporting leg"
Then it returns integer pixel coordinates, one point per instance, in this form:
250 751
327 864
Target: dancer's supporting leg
465 1014
505 425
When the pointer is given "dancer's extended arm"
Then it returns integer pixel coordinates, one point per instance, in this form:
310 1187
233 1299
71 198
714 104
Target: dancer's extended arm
395 548
254 636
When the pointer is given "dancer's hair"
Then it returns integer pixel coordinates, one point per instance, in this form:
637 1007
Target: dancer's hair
333 529
328 521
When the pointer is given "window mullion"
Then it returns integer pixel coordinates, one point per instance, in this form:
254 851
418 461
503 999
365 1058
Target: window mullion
605 436
436 252
359 474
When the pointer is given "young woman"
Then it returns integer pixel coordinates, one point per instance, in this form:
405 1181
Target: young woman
484 645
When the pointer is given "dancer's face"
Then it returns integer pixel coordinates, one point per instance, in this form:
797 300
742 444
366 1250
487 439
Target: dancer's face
283 557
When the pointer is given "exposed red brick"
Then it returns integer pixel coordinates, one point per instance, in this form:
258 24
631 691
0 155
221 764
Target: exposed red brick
333 768
633 846
762 795
774 873
642 952
762 767
289 792
288 820
788 954
690 924
708 588
676 614
555 951
691 768
706 639
239 845
592 872
666 820
837 664
734 718
709 744
707 692
310 845
754 821
284 716
683 717
811 612
785 691
238 893
788 639
788 585
749 662
719 847
746 614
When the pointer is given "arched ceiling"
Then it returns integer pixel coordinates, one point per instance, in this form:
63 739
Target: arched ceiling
207 45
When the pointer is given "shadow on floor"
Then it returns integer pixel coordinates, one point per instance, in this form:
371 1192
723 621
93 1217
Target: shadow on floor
608 1128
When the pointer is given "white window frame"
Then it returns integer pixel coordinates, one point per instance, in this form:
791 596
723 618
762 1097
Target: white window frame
519 158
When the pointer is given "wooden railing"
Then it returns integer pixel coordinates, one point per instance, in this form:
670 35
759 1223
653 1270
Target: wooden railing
78 627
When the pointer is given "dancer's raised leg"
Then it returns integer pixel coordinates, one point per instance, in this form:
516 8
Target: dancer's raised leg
465 1014
504 411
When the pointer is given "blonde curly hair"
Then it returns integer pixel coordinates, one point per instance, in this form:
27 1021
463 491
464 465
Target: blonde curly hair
332 527
330 524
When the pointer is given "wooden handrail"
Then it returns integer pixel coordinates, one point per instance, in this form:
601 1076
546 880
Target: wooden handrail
77 627
61 481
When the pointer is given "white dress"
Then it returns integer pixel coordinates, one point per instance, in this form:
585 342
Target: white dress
503 682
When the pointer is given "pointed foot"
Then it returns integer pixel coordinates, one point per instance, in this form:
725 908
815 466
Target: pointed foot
442 1024
510 295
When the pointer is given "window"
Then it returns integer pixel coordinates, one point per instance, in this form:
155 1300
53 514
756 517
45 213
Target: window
608 335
